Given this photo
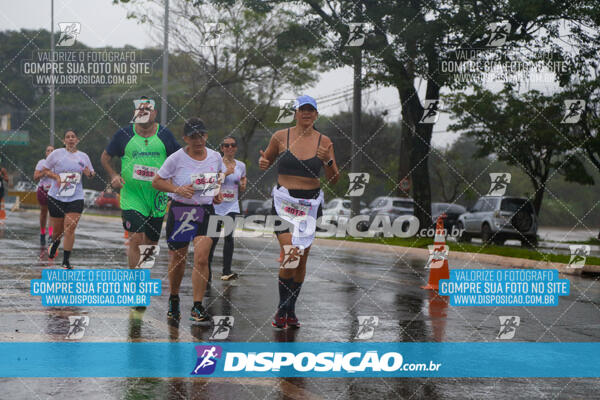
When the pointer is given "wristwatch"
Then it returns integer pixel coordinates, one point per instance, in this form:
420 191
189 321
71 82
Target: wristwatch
329 163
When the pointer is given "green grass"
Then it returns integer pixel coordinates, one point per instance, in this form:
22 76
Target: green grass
505 251
592 241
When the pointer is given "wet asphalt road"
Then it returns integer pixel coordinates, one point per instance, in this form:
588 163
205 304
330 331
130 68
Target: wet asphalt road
341 284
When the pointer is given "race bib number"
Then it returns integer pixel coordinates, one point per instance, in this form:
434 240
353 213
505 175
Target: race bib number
68 183
228 193
207 183
143 172
294 210
46 186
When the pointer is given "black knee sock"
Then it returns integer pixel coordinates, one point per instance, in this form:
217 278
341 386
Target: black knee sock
66 255
285 292
296 286
227 254
55 245
211 253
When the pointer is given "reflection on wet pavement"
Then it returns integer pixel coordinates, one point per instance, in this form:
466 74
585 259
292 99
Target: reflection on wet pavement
342 284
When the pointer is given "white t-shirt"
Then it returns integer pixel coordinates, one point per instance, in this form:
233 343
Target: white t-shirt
45 182
70 167
230 190
181 169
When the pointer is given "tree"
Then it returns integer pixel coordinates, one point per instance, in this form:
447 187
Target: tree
586 130
234 62
411 39
523 130
457 174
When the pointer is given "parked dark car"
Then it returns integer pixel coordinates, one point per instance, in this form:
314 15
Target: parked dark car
452 211
107 200
249 207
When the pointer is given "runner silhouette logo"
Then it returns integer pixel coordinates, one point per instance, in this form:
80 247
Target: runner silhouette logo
222 327
357 183
508 326
366 326
498 33
287 108
573 111
500 181
148 253
185 224
437 255
207 359
68 33
356 34
212 33
291 256
431 111
579 253
77 325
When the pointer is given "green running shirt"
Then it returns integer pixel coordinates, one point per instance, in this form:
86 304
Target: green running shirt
140 160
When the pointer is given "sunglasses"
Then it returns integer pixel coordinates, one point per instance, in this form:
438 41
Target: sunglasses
227 145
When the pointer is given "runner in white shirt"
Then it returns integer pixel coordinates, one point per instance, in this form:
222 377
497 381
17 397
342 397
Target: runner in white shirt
193 176
42 194
234 183
65 198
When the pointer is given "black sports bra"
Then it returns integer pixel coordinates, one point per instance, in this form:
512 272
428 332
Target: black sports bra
289 164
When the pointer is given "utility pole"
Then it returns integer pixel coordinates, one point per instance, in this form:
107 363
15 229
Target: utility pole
165 72
52 73
356 112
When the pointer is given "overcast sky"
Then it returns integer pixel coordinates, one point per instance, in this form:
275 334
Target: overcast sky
106 24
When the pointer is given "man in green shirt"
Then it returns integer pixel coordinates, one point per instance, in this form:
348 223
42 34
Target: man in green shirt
142 146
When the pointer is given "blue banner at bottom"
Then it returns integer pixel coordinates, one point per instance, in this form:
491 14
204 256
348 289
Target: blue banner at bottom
234 359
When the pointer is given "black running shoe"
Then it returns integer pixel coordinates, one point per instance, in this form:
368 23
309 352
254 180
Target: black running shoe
279 320
42 239
52 249
228 277
174 312
199 314
67 265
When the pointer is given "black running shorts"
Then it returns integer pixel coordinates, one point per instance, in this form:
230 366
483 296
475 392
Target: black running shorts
58 208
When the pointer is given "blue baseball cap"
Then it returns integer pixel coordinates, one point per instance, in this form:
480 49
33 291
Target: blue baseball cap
305 99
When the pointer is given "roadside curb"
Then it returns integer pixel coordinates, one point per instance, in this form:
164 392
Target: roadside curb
458 255
402 251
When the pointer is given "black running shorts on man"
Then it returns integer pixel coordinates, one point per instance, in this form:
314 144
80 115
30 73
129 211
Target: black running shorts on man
135 222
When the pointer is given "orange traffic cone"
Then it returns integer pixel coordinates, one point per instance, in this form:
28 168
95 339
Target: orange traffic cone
438 261
126 235
2 212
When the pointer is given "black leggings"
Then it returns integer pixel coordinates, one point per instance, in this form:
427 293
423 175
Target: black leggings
227 248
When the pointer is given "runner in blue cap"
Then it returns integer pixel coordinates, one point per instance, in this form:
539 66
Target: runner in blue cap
298 197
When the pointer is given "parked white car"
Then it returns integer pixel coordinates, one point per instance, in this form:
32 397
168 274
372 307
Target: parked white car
24 186
89 197
338 206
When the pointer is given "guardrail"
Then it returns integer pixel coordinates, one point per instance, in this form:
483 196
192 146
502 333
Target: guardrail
28 199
